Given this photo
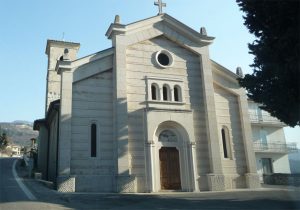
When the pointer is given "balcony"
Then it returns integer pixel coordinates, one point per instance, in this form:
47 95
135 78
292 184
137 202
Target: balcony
275 147
265 119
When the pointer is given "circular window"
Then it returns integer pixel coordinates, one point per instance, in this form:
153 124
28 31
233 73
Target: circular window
164 59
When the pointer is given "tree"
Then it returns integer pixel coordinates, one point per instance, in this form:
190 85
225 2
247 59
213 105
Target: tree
275 81
3 141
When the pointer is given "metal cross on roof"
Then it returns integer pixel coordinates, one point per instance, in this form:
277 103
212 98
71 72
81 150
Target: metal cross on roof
160 5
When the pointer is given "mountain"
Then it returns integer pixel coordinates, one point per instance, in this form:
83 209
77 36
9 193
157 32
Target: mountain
21 122
19 132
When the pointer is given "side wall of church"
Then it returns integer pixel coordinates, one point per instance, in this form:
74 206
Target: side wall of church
141 64
92 104
228 117
53 131
42 162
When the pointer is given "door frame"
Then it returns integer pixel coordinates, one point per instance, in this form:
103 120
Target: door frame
182 125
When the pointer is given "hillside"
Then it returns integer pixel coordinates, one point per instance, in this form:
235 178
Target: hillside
18 132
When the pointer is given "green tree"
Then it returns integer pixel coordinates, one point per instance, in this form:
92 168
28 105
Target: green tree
275 81
3 141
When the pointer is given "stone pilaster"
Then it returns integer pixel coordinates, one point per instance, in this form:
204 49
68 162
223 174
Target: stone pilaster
216 182
216 179
121 117
126 184
149 166
64 181
194 166
66 184
252 179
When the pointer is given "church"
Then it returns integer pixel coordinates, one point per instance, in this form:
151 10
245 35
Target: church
152 113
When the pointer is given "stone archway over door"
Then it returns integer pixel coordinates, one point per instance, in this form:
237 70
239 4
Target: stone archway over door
169 168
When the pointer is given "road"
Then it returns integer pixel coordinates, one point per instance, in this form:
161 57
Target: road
10 190
12 196
35 196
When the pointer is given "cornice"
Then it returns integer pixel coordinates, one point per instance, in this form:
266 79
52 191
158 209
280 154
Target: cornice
62 44
117 28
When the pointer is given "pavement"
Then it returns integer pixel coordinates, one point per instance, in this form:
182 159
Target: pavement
268 197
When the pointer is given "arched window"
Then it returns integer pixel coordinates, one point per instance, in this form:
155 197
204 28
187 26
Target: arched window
177 93
226 142
166 93
93 140
154 92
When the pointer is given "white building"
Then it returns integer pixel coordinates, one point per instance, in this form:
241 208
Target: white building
269 143
15 149
294 159
151 113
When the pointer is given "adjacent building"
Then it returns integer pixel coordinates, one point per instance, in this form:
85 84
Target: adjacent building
294 159
269 143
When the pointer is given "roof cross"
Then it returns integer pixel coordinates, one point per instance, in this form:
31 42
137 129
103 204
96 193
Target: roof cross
160 5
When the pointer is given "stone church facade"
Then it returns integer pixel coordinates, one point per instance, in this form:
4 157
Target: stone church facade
151 113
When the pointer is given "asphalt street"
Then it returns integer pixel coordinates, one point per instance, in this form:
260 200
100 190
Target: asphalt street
10 190
14 197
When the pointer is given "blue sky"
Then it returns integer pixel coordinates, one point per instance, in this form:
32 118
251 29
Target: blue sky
26 26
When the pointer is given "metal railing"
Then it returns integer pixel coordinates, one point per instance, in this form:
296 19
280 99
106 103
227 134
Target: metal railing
255 118
275 147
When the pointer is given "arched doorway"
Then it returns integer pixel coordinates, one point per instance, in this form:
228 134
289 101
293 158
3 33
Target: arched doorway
172 164
169 168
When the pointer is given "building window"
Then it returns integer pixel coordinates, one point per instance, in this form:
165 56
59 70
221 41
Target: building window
177 93
226 142
166 93
267 165
264 138
93 140
154 92
164 59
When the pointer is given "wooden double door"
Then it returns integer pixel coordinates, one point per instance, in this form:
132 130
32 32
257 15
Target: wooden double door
169 168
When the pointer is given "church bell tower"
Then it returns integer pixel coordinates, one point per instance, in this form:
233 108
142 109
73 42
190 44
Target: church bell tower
54 51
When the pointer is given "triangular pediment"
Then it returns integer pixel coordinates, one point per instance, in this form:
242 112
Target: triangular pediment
157 26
